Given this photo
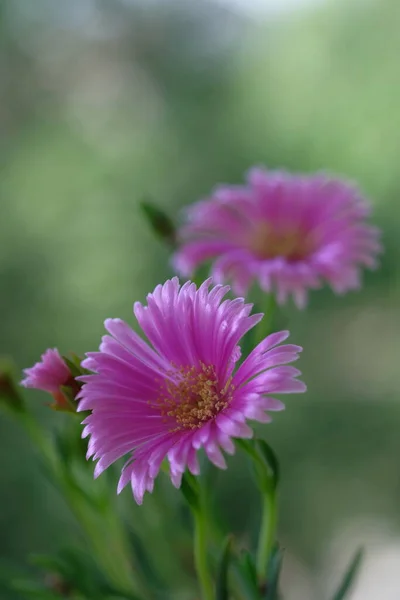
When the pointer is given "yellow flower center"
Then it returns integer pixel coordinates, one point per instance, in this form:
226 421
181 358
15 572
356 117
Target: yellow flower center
192 396
288 242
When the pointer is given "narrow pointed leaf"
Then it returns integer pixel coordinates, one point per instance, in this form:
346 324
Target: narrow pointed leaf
147 566
159 221
222 589
349 576
273 573
74 365
270 458
265 462
9 394
248 573
33 591
190 490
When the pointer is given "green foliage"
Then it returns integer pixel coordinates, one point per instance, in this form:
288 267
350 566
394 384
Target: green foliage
222 583
70 574
10 396
159 221
247 568
269 459
273 573
349 576
74 364
191 491
264 460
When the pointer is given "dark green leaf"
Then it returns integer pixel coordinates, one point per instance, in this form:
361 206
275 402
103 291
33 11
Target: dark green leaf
270 458
48 563
11 572
146 566
31 590
273 572
349 576
222 590
159 221
248 446
249 566
76 570
190 490
9 394
74 366
248 572
264 460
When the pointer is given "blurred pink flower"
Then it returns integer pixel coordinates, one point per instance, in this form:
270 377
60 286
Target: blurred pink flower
182 392
49 374
288 232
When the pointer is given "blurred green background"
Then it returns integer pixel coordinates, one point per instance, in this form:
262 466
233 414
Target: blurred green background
107 102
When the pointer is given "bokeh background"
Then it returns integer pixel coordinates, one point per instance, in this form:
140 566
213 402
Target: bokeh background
107 102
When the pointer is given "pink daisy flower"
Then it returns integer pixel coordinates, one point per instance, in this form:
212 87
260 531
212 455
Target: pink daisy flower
288 232
181 392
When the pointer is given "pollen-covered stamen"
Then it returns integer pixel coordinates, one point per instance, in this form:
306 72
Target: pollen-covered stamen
192 396
289 242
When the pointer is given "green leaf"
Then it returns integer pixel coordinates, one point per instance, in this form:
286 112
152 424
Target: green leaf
248 573
34 591
247 446
9 394
190 490
265 462
48 563
146 566
349 576
222 591
273 573
11 572
270 459
249 567
74 365
78 571
159 221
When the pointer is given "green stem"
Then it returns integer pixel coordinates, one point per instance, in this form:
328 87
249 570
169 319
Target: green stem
200 556
267 532
104 531
106 538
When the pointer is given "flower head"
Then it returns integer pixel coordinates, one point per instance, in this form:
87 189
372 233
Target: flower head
288 232
181 392
48 374
51 374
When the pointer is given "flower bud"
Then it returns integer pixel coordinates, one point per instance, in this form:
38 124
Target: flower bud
56 374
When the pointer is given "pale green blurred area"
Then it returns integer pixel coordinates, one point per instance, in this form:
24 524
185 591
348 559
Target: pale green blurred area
104 103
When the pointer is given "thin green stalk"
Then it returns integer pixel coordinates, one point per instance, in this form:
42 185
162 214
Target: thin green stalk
267 532
200 556
216 538
106 538
104 534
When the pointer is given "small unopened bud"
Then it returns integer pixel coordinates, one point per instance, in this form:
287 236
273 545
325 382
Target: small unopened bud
56 375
